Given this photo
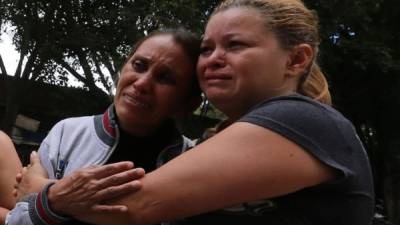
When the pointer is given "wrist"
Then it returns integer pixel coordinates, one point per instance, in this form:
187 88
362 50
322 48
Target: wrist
40 211
41 183
52 199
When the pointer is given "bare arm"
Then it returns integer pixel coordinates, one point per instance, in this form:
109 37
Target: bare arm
10 165
244 162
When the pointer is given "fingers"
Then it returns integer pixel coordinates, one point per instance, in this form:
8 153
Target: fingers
112 186
18 177
121 178
90 180
87 188
116 191
110 169
109 208
115 185
120 184
70 200
34 158
91 176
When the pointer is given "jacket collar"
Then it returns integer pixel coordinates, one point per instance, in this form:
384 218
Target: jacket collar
107 129
109 122
106 126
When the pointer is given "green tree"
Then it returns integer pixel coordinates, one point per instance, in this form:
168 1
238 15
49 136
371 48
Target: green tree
85 38
360 53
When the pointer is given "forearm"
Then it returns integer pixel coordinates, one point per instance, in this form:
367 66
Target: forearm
167 193
107 218
228 169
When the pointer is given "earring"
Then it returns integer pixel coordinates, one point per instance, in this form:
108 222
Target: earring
204 106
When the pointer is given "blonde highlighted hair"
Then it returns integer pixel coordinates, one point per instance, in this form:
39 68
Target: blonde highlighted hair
293 24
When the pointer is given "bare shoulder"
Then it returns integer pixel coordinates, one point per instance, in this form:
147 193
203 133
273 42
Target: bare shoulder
9 167
4 137
6 145
9 159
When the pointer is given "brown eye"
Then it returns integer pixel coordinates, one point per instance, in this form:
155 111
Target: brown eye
139 65
205 50
236 45
165 77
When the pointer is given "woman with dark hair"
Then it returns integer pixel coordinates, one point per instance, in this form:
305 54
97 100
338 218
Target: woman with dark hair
156 85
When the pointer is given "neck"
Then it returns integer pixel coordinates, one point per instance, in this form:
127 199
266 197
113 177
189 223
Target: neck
140 130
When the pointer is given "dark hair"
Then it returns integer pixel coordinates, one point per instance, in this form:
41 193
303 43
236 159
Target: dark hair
190 43
293 23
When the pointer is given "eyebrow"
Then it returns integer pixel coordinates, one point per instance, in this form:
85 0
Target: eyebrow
225 36
169 68
141 57
232 34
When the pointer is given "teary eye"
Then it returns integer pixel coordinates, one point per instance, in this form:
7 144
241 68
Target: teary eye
139 65
236 45
206 50
166 77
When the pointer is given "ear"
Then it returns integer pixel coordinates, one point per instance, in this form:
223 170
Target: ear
299 59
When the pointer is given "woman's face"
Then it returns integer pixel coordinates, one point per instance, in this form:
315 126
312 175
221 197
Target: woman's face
154 85
241 62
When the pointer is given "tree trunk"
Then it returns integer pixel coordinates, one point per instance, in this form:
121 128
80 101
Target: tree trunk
2 67
16 92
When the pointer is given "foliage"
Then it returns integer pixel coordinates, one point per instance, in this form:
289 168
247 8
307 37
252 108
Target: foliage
363 60
360 53
88 38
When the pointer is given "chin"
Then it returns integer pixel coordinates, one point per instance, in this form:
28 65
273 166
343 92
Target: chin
217 95
219 101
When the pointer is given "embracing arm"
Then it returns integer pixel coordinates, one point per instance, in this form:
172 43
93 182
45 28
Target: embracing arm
242 163
10 165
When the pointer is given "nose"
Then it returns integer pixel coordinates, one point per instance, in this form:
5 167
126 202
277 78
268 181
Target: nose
144 84
217 59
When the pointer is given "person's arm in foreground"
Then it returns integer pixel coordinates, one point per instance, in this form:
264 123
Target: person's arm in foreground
242 163
35 178
10 165
32 179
